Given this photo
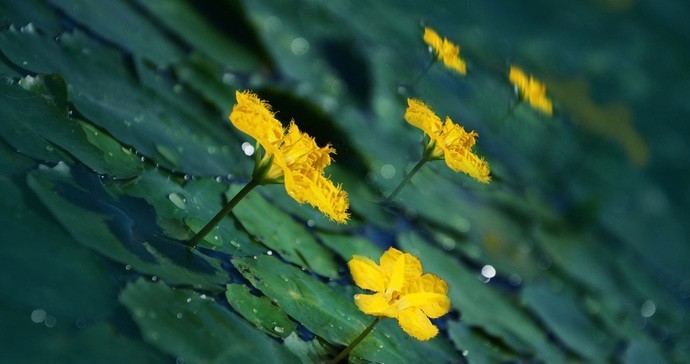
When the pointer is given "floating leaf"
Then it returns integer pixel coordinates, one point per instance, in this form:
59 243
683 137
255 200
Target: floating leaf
259 311
195 328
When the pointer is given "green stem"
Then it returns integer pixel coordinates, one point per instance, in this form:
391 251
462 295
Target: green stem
407 178
220 215
424 71
354 343
511 109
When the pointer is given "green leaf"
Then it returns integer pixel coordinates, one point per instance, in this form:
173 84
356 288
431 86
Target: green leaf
562 313
195 328
259 311
122 230
121 23
106 94
184 20
476 348
57 339
37 122
479 303
278 231
311 351
346 246
331 316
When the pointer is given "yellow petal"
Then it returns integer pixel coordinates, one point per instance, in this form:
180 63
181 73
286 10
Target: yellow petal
375 304
432 38
312 187
456 144
518 78
397 276
421 116
468 162
254 117
301 152
429 293
531 89
456 64
411 266
416 324
367 274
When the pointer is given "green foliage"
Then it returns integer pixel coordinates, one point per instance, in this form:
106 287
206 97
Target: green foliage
115 149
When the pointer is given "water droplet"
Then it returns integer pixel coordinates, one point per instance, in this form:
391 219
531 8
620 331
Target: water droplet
544 262
154 278
279 329
648 308
37 316
272 24
189 300
488 271
50 321
254 310
247 148
387 171
80 324
128 267
228 78
269 252
311 223
515 279
465 352
177 200
179 315
299 46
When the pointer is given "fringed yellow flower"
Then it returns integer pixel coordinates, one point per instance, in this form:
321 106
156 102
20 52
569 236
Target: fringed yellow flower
531 90
445 51
448 141
401 292
291 157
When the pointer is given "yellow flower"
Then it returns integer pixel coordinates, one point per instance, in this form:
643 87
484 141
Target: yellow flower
445 50
292 157
531 90
401 292
448 141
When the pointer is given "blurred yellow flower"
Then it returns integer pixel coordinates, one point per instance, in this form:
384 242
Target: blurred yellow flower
445 50
531 90
448 141
401 292
292 157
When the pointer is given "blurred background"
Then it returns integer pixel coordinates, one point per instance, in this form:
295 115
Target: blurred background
115 148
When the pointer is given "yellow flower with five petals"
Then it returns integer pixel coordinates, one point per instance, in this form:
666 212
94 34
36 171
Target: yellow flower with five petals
291 157
445 51
531 90
401 292
448 141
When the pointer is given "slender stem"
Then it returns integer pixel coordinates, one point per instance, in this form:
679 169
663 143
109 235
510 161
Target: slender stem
407 178
220 215
510 111
354 343
424 71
